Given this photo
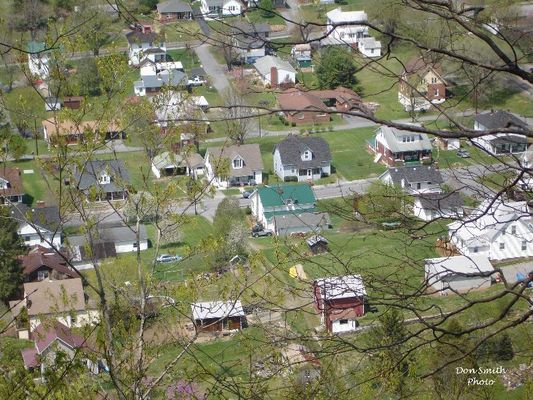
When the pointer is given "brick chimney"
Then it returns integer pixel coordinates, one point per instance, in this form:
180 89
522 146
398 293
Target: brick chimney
274 77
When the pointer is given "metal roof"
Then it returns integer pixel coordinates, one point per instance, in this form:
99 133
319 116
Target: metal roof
217 309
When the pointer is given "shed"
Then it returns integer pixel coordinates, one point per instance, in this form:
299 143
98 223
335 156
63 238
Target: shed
72 102
317 244
217 316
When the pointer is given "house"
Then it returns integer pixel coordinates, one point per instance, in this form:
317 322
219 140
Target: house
103 180
157 75
301 54
458 273
526 163
340 301
11 189
286 209
234 165
51 339
343 99
430 206
179 109
173 10
369 47
496 229
197 74
38 60
275 72
225 8
145 45
317 244
38 226
344 27
414 179
74 132
41 263
302 158
398 147
300 107
421 85
249 41
501 143
107 241
254 30
170 164
63 300
218 316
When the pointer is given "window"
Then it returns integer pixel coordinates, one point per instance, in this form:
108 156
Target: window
27 238
476 249
502 246
524 245
104 179
433 80
135 245
237 163
513 230
42 275
437 92
343 322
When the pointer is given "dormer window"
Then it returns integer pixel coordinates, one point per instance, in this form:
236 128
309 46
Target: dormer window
513 230
238 163
104 179
4 184
307 155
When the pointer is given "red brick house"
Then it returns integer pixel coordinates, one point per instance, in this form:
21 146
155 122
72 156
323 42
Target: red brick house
301 108
343 99
218 316
396 147
340 301
421 85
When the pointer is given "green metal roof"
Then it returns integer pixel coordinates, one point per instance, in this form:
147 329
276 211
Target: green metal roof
277 195
36 47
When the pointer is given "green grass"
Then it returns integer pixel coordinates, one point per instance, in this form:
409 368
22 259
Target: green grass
181 31
255 16
37 186
187 57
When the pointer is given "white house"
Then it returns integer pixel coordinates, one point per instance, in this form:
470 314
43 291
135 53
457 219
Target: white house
459 273
345 26
430 206
178 108
156 75
226 8
527 166
369 47
169 164
501 143
39 225
145 46
302 158
235 165
275 72
38 60
414 179
500 231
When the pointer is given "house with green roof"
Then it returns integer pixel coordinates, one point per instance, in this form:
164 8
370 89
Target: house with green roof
286 209
38 59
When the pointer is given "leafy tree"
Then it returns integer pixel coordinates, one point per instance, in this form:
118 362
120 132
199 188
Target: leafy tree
229 223
12 145
504 348
11 246
89 80
147 5
336 68
267 8
383 203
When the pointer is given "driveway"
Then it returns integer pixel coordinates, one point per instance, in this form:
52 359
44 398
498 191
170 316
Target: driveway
216 72
510 271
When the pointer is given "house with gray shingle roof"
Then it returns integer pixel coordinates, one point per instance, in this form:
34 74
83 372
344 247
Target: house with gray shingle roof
275 72
302 158
430 206
156 75
173 10
397 146
414 179
103 180
501 143
234 165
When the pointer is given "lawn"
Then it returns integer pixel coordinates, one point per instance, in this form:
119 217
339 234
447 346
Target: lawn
187 57
255 16
181 31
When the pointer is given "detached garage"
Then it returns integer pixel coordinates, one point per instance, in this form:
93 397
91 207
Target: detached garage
459 273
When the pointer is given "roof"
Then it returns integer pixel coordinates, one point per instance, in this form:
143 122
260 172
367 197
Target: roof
140 37
69 127
49 297
36 47
440 201
419 66
338 16
217 309
44 217
301 219
14 181
302 47
395 140
113 234
250 29
264 64
419 173
341 94
314 240
173 6
292 148
170 160
88 176
250 153
500 119
198 71
341 287
294 100
172 78
460 265
370 43
40 257
278 195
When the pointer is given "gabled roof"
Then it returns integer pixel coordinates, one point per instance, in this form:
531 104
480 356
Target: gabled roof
140 37
173 6
337 16
170 160
440 201
394 139
44 217
419 173
460 265
370 43
42 257
341 287
111 234
292 148
264 64
341 94
293 101
217 309
280 195
50 297
250 29
88 175
36 47
500 119
250 153
419 67
12 176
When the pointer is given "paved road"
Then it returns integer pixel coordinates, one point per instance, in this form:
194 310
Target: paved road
211 66
465 179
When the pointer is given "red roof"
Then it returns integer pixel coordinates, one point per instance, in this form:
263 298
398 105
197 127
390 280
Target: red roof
14 182
296 100
40 256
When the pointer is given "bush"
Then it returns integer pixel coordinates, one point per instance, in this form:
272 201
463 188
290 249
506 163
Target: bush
290 179
293 124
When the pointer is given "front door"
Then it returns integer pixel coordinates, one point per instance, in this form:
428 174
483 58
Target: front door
310 173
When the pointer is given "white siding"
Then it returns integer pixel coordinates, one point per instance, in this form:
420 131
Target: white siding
337 327
32 238
127 247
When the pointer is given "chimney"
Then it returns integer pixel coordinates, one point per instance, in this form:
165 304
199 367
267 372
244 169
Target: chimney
273 77
40 204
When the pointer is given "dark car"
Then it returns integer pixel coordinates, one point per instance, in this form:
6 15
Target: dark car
463 154
261 233
246 194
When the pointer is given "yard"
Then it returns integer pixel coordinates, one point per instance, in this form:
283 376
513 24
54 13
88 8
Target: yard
187 57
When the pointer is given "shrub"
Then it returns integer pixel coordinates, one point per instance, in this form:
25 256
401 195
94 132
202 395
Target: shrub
290 179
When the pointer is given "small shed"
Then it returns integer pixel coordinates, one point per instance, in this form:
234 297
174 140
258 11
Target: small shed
72 102
218 316
317 244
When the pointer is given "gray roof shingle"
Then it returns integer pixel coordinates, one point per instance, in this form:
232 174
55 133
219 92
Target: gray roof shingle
44 217
500 119
440 201
421 173
88 176
395 140
291 149
250 153
173 6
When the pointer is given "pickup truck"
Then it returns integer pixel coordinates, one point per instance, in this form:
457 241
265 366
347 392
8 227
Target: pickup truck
196 81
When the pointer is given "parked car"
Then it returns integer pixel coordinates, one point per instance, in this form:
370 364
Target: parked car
246 194
167 258
196 81
261 233
463 154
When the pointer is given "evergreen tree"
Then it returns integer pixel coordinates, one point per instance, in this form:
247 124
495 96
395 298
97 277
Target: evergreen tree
11 246
504 348
336 68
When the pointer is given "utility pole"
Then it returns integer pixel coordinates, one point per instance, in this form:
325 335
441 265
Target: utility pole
35 136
